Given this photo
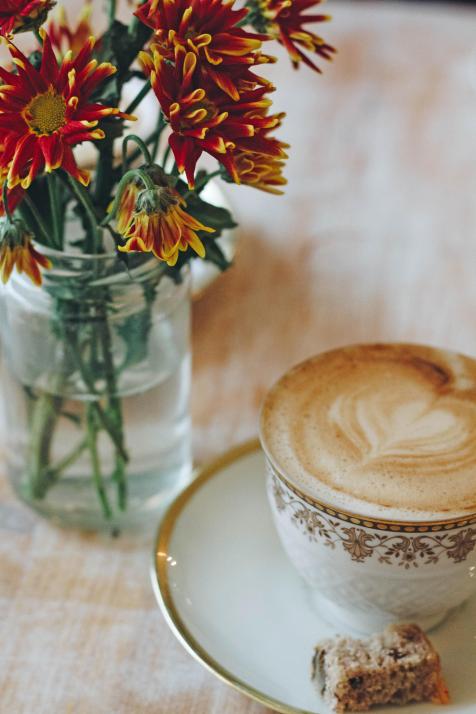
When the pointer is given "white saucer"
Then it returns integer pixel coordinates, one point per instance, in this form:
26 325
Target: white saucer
236 604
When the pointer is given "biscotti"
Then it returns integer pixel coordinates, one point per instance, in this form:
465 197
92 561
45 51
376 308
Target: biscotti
398 666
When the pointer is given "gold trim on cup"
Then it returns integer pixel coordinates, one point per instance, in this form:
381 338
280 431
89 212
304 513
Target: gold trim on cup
163 590
380 524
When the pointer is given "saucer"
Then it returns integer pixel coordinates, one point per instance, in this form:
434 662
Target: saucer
236 604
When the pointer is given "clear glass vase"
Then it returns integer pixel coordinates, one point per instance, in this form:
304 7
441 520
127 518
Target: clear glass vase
96 383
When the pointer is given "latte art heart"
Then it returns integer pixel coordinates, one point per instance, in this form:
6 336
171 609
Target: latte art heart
419 434
389 425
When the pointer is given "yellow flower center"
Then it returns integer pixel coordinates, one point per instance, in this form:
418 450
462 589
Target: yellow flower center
46 113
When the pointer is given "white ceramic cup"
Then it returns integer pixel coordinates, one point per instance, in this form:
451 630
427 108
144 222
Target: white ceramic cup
366 573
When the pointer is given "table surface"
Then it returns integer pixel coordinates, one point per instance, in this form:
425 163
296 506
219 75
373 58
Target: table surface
374 240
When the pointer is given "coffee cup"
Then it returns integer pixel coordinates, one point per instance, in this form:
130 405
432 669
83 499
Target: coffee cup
371 461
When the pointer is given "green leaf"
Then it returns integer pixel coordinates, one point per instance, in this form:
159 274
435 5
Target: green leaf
120 45
135 330
211 216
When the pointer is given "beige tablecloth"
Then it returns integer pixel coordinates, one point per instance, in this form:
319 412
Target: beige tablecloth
375 239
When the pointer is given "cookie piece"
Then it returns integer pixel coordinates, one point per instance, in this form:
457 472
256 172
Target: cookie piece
398 666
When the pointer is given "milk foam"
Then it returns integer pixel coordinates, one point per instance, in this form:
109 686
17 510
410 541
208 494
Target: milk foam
382 430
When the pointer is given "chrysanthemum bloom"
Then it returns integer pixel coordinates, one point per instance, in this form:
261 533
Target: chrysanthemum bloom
46 111
17 251
23 15
260 171
285 20
128 206
208 28
64 37
205 119
160 225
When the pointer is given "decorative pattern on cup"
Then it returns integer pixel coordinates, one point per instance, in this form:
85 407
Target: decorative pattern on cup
386 542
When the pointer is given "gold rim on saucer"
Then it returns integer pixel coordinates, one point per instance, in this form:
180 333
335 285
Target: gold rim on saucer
162 589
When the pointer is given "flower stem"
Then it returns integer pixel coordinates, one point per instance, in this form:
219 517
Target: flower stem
112 11
6 207
55 210
95 463
114 403
105 179
142 147
103 417
43 419
135 22
54 472
152 138
202 183
162 123
83 198
166 156
36 215
143 93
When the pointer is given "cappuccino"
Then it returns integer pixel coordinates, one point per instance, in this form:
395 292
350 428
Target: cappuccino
384 430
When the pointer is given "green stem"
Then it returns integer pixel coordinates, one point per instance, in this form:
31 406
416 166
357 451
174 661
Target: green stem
128 176
202 183
142 148
114 407
135 22
44 416
105 178
149 140
6 207
103 417
37 216
55 472
83 198
95 463
38 36
55 210
166 156
112 11
142 94
162 123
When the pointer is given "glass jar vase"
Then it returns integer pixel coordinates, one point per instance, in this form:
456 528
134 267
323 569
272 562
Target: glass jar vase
96 383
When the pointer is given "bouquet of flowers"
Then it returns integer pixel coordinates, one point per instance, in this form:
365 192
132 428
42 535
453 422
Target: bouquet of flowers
202 59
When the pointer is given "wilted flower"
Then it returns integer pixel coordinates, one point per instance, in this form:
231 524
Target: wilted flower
64 37
209 29
127 206
284 21
158 223
205 119
17 251
46 111
23 15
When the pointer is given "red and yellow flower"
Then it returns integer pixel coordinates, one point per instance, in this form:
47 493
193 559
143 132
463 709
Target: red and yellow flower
158 224
260 171
17 251
204 119
209 29
64 37
285 20
14 195
22 15
45 112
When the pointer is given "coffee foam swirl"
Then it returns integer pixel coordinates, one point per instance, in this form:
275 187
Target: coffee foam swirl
379 426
